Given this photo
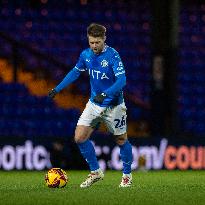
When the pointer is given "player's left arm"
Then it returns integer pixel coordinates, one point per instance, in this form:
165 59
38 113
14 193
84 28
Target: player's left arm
119 71
120 82
117 86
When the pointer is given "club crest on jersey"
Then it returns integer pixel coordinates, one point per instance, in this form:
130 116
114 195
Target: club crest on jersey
104 63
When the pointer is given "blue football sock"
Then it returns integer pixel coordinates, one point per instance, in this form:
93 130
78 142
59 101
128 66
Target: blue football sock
126 156
88 152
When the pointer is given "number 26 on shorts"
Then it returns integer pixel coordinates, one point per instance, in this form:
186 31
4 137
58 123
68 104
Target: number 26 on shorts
120 122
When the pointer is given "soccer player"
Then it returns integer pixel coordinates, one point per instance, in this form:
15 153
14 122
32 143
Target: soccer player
106 104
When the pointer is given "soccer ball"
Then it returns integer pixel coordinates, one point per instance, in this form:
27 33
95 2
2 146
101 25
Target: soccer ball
56 178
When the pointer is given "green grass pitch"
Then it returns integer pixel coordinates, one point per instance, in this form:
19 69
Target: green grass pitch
153 187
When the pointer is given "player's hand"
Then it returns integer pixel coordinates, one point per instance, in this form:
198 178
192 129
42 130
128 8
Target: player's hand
52 93
99 98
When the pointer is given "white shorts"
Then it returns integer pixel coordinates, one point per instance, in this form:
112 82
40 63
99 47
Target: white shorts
113 117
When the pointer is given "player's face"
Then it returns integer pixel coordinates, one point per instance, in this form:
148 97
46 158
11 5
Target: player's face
96 44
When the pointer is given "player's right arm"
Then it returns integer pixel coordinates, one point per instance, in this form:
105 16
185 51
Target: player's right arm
69 78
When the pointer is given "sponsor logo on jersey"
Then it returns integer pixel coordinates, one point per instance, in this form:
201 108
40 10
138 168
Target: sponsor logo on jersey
120 63
120 66
96 74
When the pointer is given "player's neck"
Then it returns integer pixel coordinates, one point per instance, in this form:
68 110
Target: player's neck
104 48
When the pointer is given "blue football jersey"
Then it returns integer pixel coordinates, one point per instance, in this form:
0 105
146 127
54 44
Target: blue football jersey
103 69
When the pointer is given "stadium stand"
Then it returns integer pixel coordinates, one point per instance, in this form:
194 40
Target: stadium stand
59 30
191 77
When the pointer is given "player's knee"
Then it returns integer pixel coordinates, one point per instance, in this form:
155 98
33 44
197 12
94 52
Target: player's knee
80 138
82 134
121 139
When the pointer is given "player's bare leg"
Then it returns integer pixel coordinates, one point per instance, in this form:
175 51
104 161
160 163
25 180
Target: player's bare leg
82 135
126 156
